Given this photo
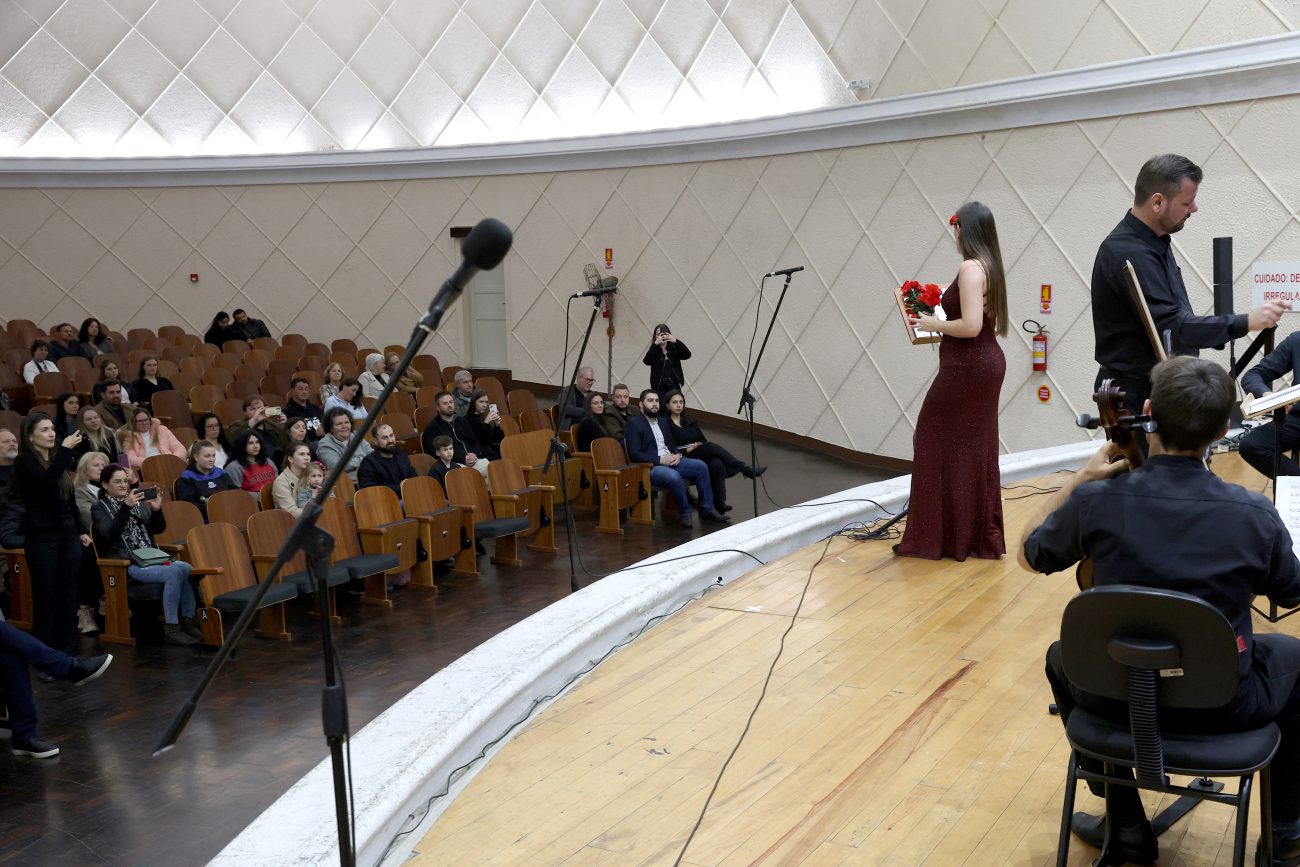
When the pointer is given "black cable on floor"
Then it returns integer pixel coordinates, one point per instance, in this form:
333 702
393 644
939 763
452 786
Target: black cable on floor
457 772
757 704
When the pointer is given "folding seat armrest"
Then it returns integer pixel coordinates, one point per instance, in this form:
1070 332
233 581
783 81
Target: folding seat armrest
112 563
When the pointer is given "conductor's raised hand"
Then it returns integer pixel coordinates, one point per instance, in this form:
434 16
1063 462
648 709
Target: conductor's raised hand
1267 314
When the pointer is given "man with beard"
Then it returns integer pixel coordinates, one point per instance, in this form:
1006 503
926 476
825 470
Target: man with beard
387 465
466 448
300 406
1164 197
617 412
8 451
647 442
111 408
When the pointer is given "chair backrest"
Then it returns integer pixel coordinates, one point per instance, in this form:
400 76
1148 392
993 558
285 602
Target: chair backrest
171 333
1108 629
505 476
175 354
343 344
48 386
181 517
607 454
364 351
402 424
521 400
290 352
536 420
266 497
218 376
282 366
183 381
140 334
318 349
17 358
449 374
345 360
195 365
13 422
83 381
229 410
465 487
70 364
172 408
292 339
510 427
399 402
259 357
422 495
345 490
336 519
424 415
162 470
229 360
421 462
377 505
527 449
250 372
220 545
268 344
203 398
267 531
314 379
232 507
186 435
191 342
274 383
236 347
495 391
427 364
424 394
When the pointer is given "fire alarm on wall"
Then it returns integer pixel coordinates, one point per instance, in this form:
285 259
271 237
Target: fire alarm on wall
194 278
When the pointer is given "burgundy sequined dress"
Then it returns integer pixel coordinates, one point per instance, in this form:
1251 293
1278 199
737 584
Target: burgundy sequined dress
956 504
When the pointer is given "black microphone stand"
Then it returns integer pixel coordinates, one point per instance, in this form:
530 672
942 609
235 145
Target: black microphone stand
557 449
747 394
317 545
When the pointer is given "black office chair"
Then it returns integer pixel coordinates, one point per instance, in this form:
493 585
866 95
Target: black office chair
1158 649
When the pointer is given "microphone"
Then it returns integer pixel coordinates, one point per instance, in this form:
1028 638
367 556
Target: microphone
607 285
785 272
483 249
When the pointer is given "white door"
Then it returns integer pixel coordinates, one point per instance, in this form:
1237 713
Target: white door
487 318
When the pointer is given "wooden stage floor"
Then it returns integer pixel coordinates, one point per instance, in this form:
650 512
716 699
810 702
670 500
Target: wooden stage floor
905 723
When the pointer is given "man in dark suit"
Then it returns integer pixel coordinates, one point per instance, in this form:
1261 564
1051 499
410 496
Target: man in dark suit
647 440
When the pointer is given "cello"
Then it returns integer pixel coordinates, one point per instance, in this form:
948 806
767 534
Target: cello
1119 423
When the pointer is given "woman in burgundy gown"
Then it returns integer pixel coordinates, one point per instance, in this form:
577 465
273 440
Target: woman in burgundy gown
955 508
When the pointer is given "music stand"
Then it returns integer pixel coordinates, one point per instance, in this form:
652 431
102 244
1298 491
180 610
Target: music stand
1278 403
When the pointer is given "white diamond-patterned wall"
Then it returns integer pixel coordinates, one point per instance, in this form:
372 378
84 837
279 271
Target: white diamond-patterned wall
140 78
690 240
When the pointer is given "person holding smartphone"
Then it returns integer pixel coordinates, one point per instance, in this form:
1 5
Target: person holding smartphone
125 521
664 358
485 423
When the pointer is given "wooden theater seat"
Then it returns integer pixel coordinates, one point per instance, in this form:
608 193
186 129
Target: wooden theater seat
620 485
20 586
529 451
119 592
232 507
337 520
181 517
447 531
385 530
227 583
465 487
266 533
163 471
172 408
512 497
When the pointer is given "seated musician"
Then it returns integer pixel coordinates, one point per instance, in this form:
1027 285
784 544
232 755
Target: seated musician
1257 447
1172 524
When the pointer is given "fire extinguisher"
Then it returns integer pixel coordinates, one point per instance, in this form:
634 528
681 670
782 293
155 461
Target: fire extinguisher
1039 344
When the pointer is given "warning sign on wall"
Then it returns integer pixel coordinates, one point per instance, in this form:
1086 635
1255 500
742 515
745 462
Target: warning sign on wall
1276 281
1044 394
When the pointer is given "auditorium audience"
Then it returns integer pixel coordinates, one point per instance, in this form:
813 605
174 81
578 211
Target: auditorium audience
690 441
108 369
332 380
410 381
149 437
485 424
649 440
617 411
252 468
203 476
348 399
125 522
447 423
219 331
387 464
96 436
51 527
300 406
444 461
374 377
210 429
94 339
664 358
18 650
246 328
591 427
148 382
292 480
331 446
573 413
66 407
65 345
40 362
463 391
113 408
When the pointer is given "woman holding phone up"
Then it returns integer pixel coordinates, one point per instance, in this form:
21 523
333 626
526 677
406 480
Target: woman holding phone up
664 358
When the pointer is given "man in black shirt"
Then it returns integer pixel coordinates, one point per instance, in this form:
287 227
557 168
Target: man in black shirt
1173 524
387 465
1257 446
300 406
455 427
1164 197
246 328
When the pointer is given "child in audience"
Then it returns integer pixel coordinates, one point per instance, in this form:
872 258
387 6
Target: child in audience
443 464
315 478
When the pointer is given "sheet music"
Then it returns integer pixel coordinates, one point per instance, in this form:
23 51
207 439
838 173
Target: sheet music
938 314
1287 500
1261 405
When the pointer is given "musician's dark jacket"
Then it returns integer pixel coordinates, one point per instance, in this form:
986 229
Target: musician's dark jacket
1123 347
1173 524
1284 359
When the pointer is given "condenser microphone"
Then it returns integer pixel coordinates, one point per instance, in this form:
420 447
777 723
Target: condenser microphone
785 272
607 285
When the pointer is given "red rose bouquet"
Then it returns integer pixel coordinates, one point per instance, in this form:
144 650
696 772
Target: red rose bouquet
920 298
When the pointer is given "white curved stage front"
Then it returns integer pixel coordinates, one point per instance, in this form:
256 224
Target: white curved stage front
405 756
